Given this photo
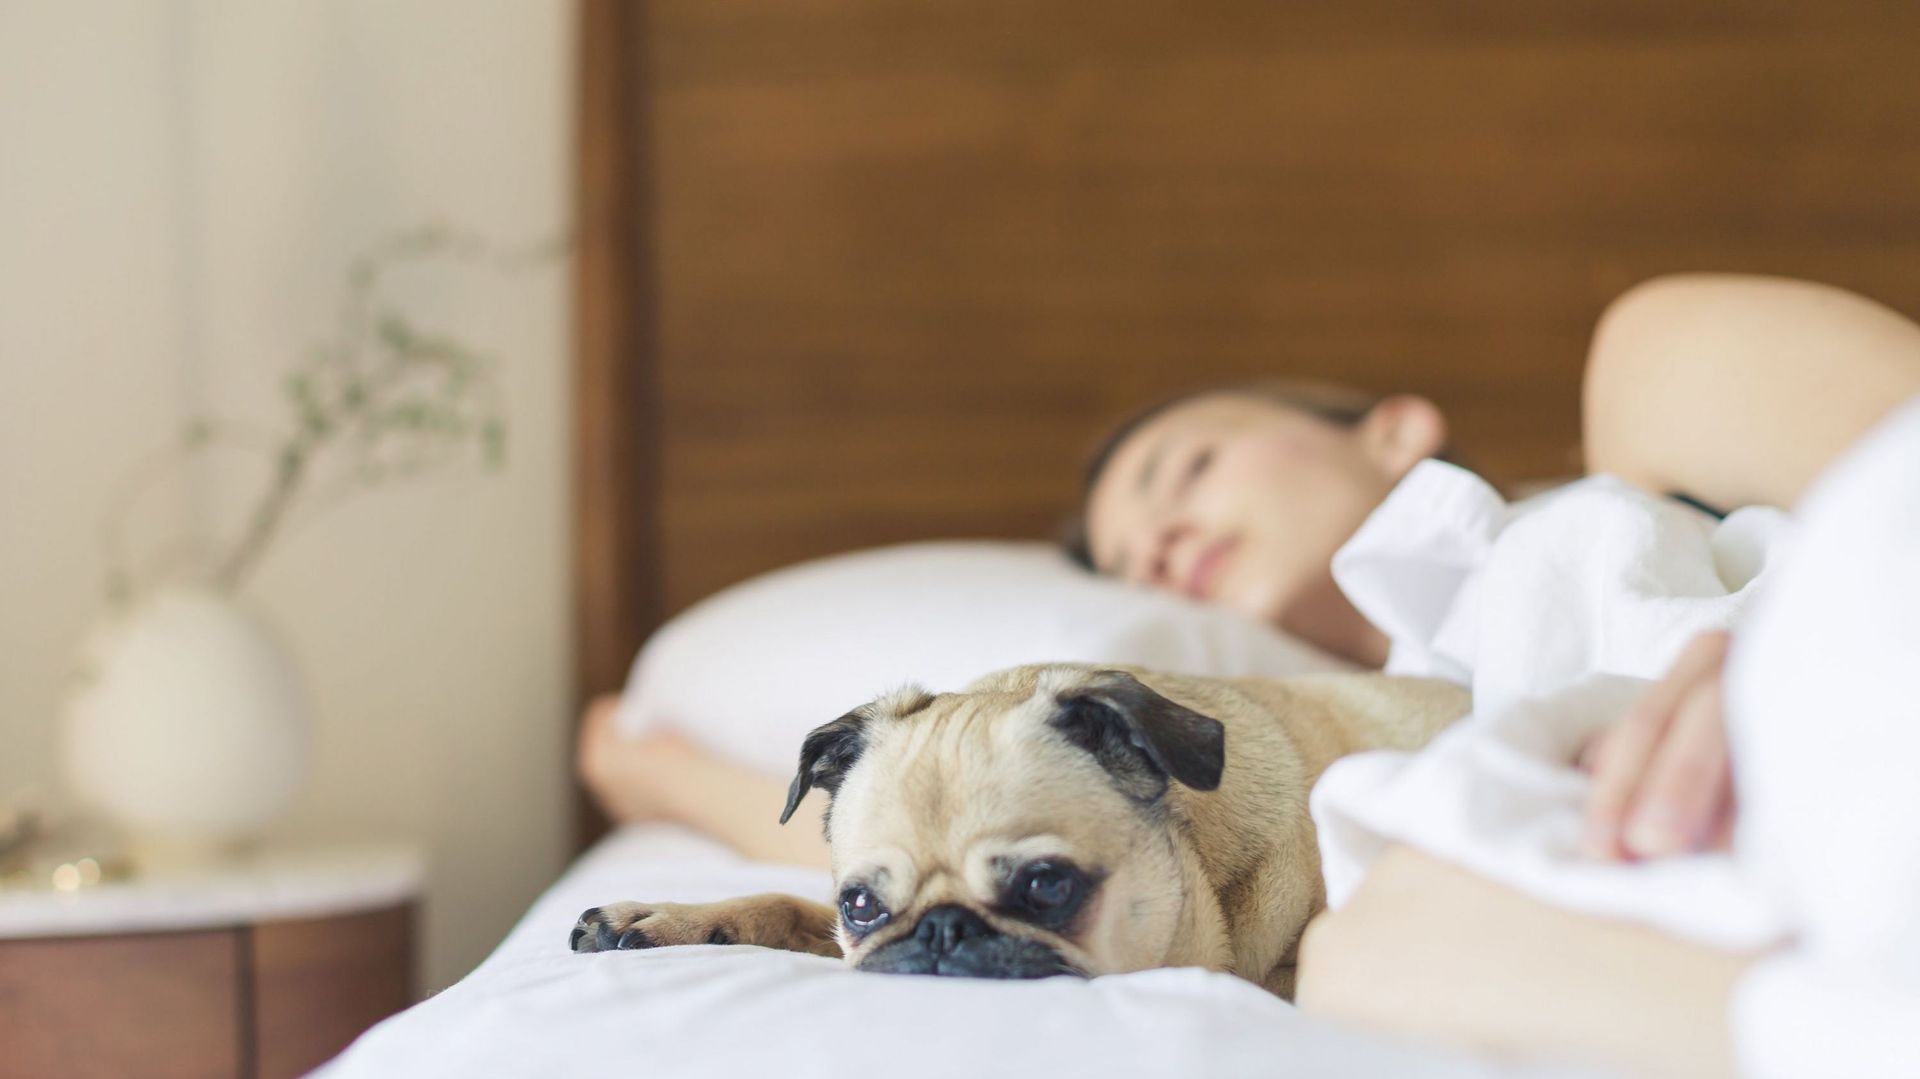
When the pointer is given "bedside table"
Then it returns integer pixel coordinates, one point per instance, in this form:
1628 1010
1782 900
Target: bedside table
262 967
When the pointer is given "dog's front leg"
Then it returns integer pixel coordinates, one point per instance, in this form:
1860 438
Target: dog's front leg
771 921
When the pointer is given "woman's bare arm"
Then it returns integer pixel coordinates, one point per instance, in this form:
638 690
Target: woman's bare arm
1738 390
1428 950
665 776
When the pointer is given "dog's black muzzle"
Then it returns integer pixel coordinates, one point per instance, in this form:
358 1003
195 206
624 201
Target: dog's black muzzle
953 941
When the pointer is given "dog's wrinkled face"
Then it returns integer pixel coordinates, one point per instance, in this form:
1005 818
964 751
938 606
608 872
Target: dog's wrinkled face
1010 834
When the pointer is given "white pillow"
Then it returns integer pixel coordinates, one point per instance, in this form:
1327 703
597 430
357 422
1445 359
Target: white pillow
750 670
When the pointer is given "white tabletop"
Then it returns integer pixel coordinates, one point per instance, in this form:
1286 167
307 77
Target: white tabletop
271 885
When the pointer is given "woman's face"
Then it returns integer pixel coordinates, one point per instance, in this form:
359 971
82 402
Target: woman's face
1242 501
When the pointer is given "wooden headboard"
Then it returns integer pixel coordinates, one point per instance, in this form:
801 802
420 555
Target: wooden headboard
861 271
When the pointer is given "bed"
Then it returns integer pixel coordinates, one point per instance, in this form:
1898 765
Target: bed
533 1008
853 273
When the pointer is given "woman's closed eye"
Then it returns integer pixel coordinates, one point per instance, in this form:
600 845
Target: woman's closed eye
1152 559
1195 467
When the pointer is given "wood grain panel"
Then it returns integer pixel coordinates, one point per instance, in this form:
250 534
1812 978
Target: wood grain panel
856 271
910 259
158 1005
616 432
318 983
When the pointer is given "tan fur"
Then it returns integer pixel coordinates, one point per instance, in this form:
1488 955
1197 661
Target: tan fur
951 790
772 921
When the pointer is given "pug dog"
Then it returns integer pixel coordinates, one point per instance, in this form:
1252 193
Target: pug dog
1065 819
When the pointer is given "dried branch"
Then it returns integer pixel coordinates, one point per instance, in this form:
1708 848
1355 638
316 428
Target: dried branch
399 400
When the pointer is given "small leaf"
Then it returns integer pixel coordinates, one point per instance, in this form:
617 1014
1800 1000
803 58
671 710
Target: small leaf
119 587
394 332
313 415
493 443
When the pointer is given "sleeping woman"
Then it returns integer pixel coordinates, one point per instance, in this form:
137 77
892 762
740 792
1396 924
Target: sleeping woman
1729 391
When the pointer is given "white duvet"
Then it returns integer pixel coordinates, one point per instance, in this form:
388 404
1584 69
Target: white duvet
536 1009
1557 610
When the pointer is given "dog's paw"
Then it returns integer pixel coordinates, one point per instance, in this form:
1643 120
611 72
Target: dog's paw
625 926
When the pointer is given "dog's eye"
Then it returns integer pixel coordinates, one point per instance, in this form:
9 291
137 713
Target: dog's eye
861 910
1046 888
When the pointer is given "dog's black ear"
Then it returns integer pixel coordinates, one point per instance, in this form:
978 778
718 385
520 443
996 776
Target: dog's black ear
829 751
1141 738
832 749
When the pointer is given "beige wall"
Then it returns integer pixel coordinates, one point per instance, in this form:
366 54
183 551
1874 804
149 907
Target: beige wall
181 185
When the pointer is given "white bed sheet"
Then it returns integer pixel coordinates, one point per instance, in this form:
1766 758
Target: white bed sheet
535 1009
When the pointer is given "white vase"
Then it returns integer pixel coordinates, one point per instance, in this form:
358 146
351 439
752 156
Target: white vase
187 725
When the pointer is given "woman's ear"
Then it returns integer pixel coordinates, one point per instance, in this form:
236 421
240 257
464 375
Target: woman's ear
1401 431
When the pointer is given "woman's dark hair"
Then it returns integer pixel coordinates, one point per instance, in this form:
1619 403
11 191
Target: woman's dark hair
1339 405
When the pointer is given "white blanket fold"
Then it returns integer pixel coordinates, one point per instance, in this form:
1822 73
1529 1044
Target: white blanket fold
1562 607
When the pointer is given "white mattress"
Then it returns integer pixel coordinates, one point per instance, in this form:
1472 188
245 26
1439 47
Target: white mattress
536 1009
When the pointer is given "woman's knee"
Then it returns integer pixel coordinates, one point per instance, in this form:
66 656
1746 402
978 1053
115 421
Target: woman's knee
1652 311
1637 339
1623 339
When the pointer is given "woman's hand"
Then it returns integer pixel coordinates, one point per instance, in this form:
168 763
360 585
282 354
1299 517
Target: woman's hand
621 772
1662 777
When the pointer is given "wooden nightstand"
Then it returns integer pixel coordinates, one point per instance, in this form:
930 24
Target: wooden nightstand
263 968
